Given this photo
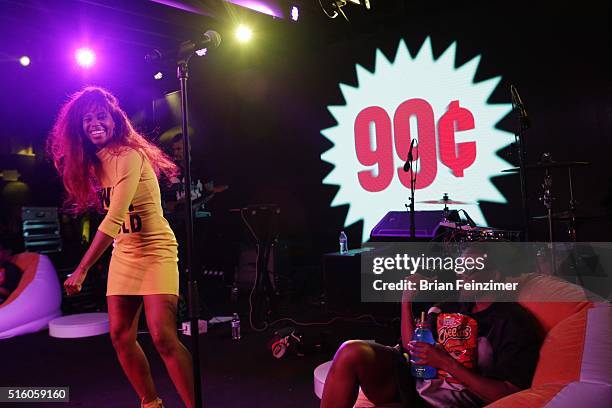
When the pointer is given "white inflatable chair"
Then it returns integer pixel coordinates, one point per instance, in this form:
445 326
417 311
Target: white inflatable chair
36 300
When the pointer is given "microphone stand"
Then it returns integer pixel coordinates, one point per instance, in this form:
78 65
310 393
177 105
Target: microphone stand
410 206
185 52
412 214
547 199
517 106
193 302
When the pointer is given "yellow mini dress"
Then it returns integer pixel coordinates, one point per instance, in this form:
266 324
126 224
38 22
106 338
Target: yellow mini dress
145 255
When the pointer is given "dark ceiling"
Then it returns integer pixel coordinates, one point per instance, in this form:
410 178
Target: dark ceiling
159 23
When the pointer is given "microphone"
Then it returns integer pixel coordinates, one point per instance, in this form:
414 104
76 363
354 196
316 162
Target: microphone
516 98
409 159
518 103
210 39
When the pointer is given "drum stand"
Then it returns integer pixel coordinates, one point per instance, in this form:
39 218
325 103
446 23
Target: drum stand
571 228
547 200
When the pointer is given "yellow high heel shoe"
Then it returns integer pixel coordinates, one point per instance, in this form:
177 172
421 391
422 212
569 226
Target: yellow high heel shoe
156 403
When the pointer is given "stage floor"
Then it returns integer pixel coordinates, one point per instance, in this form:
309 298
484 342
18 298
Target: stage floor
234 373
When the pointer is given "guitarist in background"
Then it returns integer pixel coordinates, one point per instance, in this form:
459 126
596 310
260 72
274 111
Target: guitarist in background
174 196
173 203
171 195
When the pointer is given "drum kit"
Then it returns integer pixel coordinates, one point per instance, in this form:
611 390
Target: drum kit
469 231
572 216
461 231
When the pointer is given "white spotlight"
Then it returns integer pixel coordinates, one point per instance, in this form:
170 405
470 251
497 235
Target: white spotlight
244 33
24 61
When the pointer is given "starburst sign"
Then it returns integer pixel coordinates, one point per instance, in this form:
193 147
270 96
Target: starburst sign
423 98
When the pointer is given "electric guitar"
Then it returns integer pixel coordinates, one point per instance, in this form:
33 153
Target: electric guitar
176 208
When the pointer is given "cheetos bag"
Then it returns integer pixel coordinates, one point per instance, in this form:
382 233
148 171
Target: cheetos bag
457 333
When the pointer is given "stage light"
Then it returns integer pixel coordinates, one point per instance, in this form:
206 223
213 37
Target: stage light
244 33
364 3
295 13
85 57
24 61
158 75
334 8
271 8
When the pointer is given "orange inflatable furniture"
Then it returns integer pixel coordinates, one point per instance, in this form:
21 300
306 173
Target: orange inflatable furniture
575 362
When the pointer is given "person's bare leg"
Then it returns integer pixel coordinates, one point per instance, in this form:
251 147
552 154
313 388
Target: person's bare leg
359 363
160 311
123 315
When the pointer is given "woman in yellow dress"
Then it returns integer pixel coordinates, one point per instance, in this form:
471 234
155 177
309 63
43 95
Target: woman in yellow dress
106 164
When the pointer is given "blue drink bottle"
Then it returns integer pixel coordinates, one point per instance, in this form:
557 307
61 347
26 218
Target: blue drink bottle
423 333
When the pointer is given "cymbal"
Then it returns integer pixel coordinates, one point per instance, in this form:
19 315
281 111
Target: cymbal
548 165
445 202
567 216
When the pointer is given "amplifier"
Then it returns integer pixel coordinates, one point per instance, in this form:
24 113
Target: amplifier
41 229
342 287
395 225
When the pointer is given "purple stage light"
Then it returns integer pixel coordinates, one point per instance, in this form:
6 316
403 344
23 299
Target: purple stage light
24 61
273 8
159 75
85 57
270 8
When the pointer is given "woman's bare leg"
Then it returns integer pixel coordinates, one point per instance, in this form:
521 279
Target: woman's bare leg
123 314
160 311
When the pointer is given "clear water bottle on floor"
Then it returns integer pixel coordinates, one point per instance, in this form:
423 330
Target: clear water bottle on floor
236 327
343 243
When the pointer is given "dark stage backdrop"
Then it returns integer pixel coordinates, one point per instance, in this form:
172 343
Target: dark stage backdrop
261 126
258 115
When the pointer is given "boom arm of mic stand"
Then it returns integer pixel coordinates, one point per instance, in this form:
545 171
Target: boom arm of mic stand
520 136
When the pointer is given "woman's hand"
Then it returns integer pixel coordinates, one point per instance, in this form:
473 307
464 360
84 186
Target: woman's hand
74 283
428 354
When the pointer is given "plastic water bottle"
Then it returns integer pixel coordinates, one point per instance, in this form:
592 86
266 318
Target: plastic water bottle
423 333
236 327
343 243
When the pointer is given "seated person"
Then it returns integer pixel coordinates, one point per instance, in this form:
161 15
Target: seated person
507 350
10 274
